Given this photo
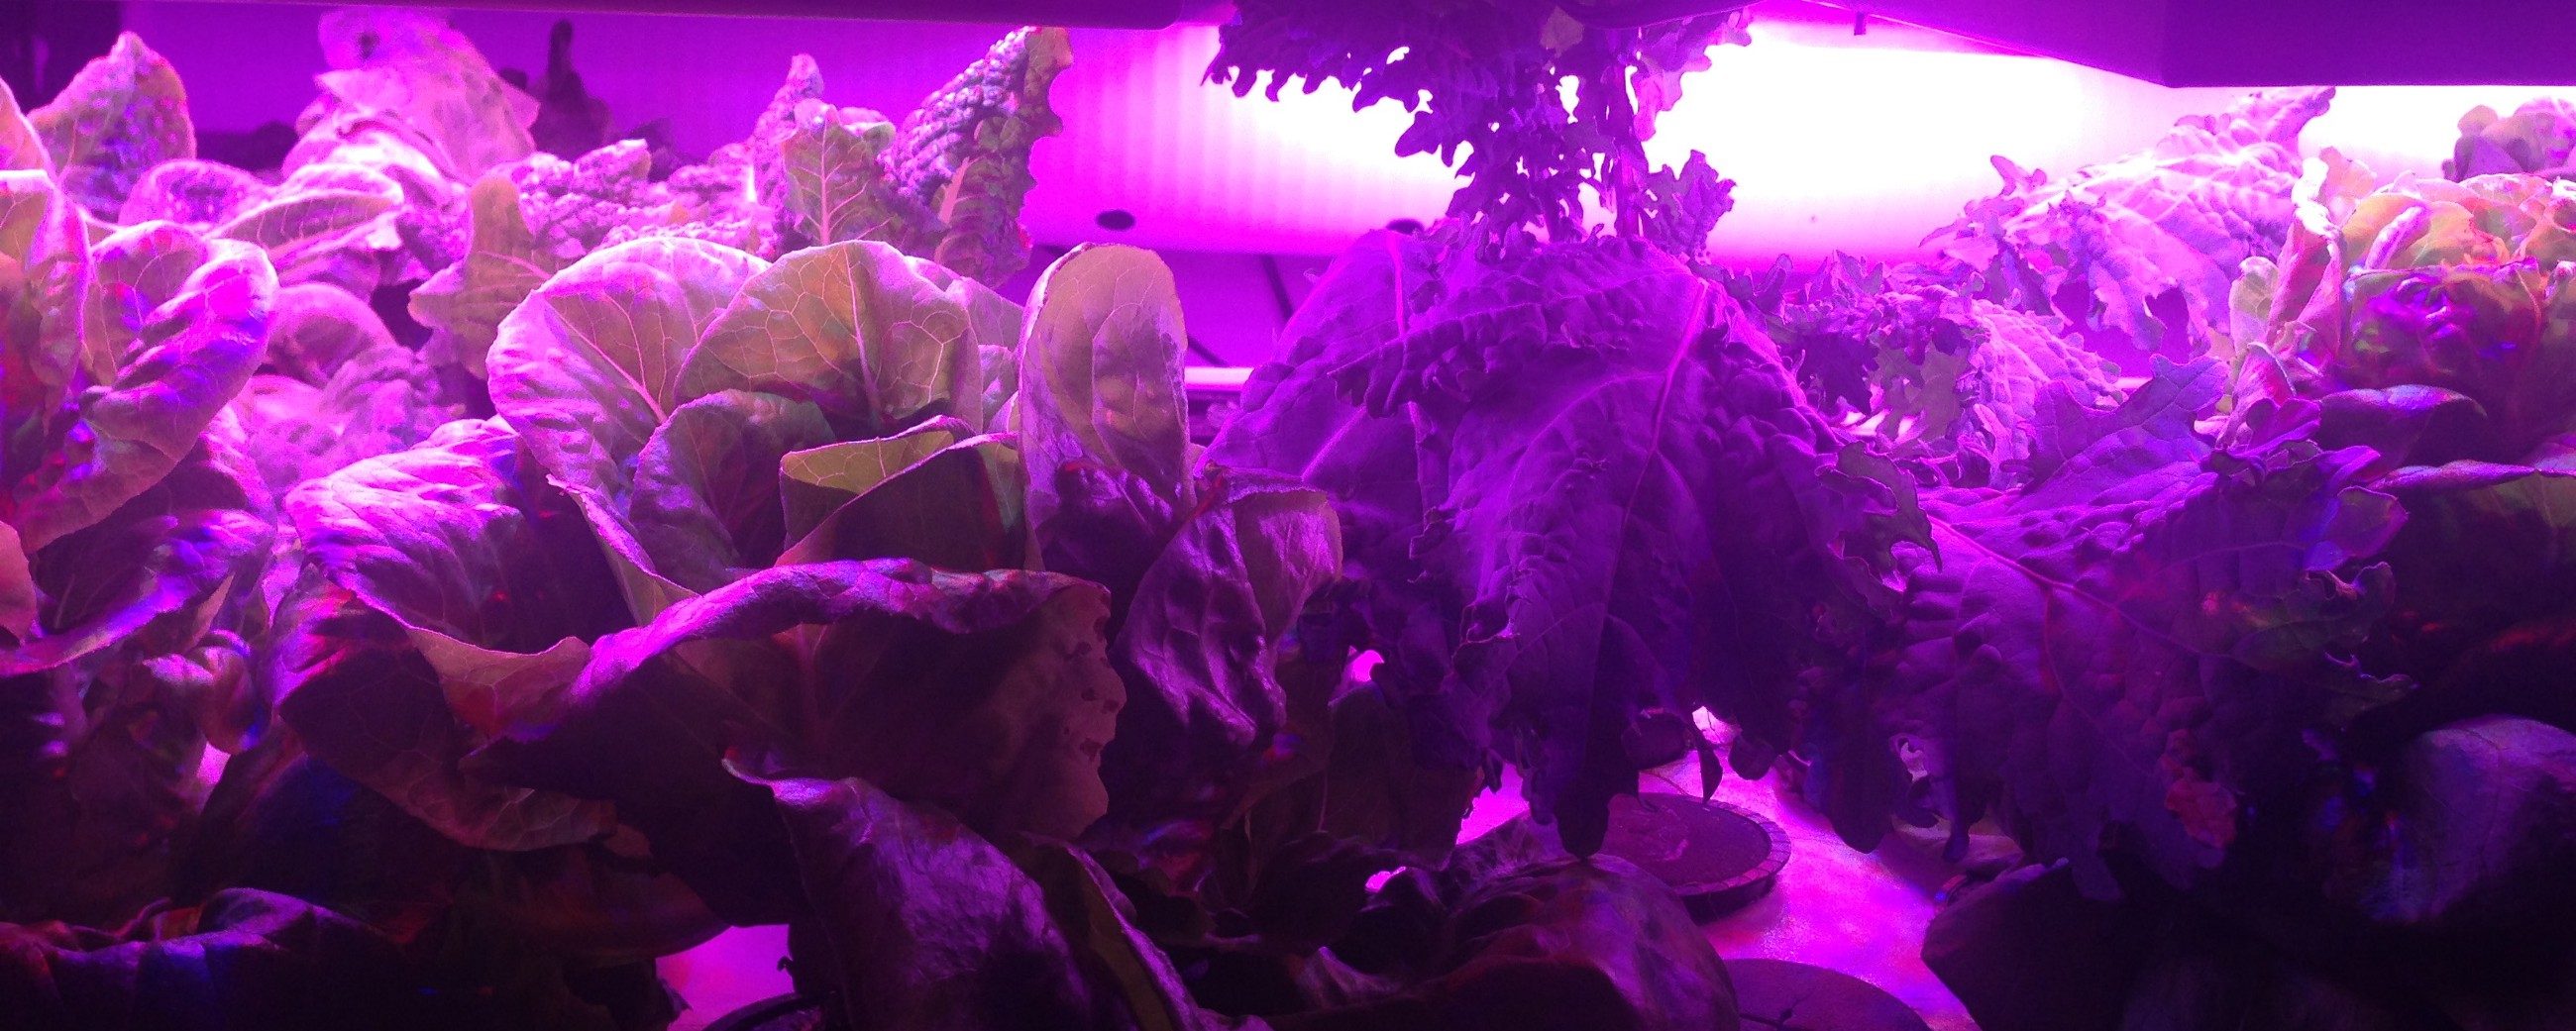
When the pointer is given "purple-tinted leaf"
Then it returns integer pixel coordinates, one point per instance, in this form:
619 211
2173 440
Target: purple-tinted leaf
20 148
124 113
152 570
2115 246
989 695
965 154
401 68
931 927
2149 628
197 194
239 959
1531 937
1203 636
877 340
194 352
459 604
706 494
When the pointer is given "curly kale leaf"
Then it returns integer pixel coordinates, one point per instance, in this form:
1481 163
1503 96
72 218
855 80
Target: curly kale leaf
2141 252
1576 485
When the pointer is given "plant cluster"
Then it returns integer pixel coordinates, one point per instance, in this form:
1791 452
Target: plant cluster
578 554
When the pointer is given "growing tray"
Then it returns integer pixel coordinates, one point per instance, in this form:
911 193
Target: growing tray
1718 856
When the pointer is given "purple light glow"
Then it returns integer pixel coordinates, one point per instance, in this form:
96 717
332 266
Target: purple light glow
1836 142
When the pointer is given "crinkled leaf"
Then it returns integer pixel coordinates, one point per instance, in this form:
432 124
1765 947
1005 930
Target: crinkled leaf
1621 489
2538 138
379 401
986 694
1203 636
458 605
198 194
122 114
468 300
2145 248
706 502
963 157
878 340
2151 616
193 353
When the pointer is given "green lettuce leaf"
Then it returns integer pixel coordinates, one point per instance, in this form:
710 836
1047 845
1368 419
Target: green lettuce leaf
706 505
192 352
932 493
877 340
504 263
836 188
1101 414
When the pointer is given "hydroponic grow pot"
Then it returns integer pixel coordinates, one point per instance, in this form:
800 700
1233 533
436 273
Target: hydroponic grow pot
1088 514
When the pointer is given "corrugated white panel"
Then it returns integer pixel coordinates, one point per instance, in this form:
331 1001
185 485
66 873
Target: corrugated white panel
1837 142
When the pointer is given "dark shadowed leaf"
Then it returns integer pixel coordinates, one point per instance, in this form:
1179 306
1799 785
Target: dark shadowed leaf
706 495
989 695
458 605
